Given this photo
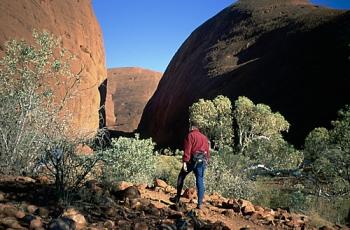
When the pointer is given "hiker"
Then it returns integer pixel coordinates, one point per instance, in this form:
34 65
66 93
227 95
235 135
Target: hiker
195 158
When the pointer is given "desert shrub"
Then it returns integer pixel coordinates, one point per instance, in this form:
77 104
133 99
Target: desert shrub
129 159
256 122
329 152
68 168
214 118
168 168
228 178
29 110
274 153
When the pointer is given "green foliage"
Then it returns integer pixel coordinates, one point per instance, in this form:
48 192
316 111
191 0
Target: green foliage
214 118
29 111
66 166
168 168
275 153
316 142
129 159
256 122
228 178
330 155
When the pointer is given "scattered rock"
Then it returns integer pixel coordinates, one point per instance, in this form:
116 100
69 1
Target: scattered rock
109 224
170 189
36 223
130 193
190 193
160 183
122 185
2 196
141 226
62 223
20 214
232 204
24 179
10 222
77 217
9 211
84 150
123 223
142 186
229 213
32 209
43 212
247 207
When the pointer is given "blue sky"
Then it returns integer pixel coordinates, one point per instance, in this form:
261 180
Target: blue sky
147 33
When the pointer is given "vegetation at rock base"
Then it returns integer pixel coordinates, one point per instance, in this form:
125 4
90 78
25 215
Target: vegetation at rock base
129 159
259 150
36 85
215 119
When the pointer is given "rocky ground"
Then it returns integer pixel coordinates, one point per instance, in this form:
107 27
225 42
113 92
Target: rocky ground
26 203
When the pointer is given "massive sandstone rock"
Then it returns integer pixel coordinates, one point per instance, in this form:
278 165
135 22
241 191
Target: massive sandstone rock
128 91
74 21
288 54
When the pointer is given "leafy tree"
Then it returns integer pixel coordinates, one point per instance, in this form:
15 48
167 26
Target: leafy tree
214 117
274 153
256 122
330 155
129 159
317 141
30 111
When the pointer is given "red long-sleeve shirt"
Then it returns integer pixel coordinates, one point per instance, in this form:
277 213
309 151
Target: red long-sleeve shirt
195 141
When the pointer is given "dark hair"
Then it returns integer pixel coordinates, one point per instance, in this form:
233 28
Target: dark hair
194 123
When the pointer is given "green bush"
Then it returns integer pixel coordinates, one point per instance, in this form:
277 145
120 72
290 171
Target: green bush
227 178
329 152
274 153
214 118
129 159
68 168
30 111
168 168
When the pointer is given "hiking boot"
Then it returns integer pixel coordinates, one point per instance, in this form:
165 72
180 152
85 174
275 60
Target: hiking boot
175 199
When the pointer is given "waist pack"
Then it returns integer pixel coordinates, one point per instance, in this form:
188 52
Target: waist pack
199 157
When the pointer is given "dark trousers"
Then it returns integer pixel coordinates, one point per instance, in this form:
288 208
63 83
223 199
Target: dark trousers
198 170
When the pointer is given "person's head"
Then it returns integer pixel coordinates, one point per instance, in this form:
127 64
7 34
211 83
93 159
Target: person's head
193 125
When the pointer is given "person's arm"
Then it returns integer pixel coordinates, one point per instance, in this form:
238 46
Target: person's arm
187 149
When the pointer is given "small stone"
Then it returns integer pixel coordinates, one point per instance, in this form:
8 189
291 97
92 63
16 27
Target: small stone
9 211
10 222
259 208
141 226
123 223
2 196
170 189
229 213
190 193
43 212
160 183
77 217
109 224
36 223
142 186
24 179
32 209
20 214
61 223
28 218
123 185
135 204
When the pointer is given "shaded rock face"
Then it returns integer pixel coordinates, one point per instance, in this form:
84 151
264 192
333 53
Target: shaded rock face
288 54
128 91
74 21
